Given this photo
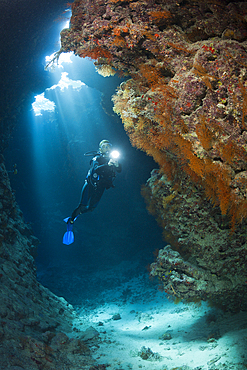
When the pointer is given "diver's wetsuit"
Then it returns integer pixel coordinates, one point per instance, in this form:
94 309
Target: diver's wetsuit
100 177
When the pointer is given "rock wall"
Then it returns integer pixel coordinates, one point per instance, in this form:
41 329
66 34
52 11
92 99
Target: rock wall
207 260
185 104
35 325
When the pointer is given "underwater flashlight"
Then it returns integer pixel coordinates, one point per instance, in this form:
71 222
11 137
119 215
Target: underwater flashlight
114 154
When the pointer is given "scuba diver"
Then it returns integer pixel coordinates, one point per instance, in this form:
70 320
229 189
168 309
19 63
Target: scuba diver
101 175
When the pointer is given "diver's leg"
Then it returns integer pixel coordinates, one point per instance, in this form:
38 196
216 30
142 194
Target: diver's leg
83 205
95 198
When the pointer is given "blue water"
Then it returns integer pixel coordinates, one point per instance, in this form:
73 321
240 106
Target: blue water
49 153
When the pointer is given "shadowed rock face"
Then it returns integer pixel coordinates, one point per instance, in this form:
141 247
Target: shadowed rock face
35 325
185 104
206 261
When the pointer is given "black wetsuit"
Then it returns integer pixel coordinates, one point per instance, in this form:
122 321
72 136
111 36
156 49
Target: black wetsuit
100 177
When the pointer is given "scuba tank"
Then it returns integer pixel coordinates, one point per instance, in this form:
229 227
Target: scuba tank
92 176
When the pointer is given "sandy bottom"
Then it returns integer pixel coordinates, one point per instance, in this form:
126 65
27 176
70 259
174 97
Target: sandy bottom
137 327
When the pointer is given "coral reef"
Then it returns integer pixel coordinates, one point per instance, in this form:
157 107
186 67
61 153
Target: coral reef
184 104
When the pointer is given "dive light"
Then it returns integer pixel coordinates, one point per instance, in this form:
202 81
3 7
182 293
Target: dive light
114 154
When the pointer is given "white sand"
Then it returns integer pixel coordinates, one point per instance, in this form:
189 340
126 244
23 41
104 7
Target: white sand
201 337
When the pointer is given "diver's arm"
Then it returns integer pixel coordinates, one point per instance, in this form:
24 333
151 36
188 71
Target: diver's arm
118 168
99 168
115 164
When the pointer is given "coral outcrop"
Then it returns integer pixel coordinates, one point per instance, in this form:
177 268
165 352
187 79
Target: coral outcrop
206 261
185 104
35 325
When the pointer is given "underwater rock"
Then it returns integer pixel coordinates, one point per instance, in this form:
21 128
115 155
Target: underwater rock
148 354
117 316
206 260
166 336
34 323
89 334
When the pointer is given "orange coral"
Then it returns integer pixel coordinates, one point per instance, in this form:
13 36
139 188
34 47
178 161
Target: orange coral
159 16
163 137
149 35
151 74
216 180
94 53
224 194
228 152
119 41
117 31
204 134
211 188
231 153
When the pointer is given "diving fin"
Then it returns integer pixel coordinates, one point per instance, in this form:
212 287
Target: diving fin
68 237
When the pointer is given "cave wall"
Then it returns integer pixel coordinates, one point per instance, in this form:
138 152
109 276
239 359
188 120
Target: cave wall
184 103
205 259
35 325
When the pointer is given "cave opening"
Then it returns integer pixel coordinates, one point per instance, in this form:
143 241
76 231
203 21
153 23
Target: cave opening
64 118
121 314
